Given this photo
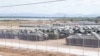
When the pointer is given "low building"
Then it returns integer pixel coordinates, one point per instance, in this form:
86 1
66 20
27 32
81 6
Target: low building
85 40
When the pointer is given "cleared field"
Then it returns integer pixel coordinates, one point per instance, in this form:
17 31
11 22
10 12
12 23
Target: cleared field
10 23
7 51
18 22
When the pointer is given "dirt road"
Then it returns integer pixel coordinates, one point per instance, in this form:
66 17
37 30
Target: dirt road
54 43
7 51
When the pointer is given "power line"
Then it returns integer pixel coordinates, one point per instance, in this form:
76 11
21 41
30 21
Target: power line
31 3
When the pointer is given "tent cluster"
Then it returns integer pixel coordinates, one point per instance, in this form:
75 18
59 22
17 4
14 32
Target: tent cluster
77 36
23 35
6 34
36 35
84 36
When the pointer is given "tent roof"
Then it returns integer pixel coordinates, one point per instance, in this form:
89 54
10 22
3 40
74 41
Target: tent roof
84 36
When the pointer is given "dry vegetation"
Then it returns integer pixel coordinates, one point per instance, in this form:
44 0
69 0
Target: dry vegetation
17 22
5 51
6 23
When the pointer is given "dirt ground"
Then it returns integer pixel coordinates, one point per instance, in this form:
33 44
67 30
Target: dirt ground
8 51
53 43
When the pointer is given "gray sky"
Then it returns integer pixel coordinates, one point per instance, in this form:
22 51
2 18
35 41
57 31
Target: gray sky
68 7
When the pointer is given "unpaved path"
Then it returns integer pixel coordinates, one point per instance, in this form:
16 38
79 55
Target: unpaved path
54 43
52 49
8 51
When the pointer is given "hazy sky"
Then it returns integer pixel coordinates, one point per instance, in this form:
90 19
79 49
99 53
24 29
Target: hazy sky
67 7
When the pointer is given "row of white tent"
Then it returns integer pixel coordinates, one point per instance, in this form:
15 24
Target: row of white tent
37 34
84 36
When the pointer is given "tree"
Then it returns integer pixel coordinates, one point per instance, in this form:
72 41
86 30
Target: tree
71 19
96 21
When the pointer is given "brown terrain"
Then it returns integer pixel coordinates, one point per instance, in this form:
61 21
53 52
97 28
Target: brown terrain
7 51
54 43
